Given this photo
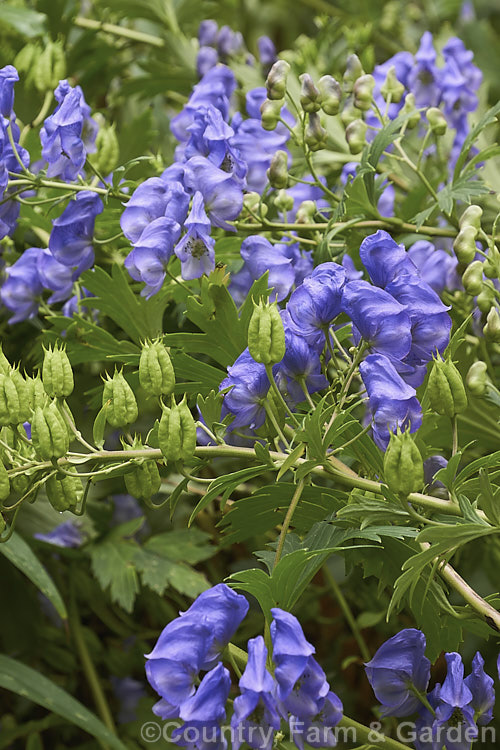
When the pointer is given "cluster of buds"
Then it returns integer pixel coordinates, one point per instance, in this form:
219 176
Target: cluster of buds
276 89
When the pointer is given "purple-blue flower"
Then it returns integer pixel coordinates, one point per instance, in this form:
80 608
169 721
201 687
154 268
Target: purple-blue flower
391 402
55 276
435 266
196 249
249 387
318 300
481 687
154 198
454 709
300 367
397 670
384 259
317 731
206 59
71 238
216 88
204 712
148 260
66 534
207 32
425 78
22 288
261 256
291 651
8 77
267 51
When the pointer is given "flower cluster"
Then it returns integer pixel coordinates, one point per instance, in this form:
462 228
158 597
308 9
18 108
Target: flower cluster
222 44
398 319
12 155
298 692
449 715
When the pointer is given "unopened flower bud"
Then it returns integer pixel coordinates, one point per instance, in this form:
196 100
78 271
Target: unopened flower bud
306 212
270 113
363 92
177 433
276 80
471 217
266 335
309 94
491 266
349 112
353 71
485 299
473 278
119 400
437 121
283 201
446 389
391 87
57 373
355 135
464 244
403 464
156 373
330 95
492 328
277 174
409 108
477 378
315 135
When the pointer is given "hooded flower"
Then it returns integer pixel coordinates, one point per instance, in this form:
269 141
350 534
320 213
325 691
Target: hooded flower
67 534
196 249
8 77
315 304
148 260
384 259
249 386
154 198
222 195
291 651
483 694
22 288
71 238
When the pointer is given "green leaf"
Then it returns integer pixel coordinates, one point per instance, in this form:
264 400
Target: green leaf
224 486
99 427
30 684
113 566
487 119
21 555
25 21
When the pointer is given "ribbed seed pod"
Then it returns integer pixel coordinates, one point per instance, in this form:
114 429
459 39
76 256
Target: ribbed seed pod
120 401
177 433
446 389
49 433
156 373
57 373
143 481
64 492
266 335
4 482
403 464
14 402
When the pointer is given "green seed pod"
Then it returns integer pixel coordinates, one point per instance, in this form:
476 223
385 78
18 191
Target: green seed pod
409 108
156 373
14 403
64 492
471 217
437 121
5 366
277 174
330 95
477 378
143 481
177 433
4 483
270 113
276 80
491 266
2 524
283 201
353 71
403 464
50 67
49 433
108 150
363 92
57 373
391 87
37 395
315 135
355 135
492 328
485 299
473 278
26 62
309 94
464 244
306 212
120 401
446 389
266 335
20 484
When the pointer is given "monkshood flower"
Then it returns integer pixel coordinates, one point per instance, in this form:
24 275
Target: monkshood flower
128 692
391 402
267 51
207 33
249 387
435 266
204 712
22 288
461 79
196 249
229 42
398 670
8 77
149 259
317 301
300 367
291 651
431 466
384 259
455 705
222 195
206 59
154 198
216 88
55 276
62 134
211 137
71 238
9 211
378 319
261 256
255 715
67 534
483 694
74 304
425 78
318 730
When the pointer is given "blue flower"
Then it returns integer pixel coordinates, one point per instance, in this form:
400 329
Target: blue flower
154 198
196 249
267 51
22 288
222 195
255 715
435 266
318 300
149 258
204 712
261 256
129 692
301 365
291 651
483 693
66 534
207 32
216 88
317 731
249 386
9 210
206 59
391 401
398 669
425 79
377 318
454 709
210 136
71 238
8 77
384 259
55 276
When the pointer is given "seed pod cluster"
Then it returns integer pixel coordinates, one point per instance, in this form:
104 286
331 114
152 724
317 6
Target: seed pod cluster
156 372
57 373
177 433
14 402
64 492
446 389
50 67
403 464
49 433
266 335
144 480
119 400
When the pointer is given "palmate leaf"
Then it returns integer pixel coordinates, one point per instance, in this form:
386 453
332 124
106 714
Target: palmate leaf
487 119
30 684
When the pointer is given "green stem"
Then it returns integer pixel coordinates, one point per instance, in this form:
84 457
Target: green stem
277 393
288 519
270 413
386 222
370 736
122 31
454 430
344 606
59 185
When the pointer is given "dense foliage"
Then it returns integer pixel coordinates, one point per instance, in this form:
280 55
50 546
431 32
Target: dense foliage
249 403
